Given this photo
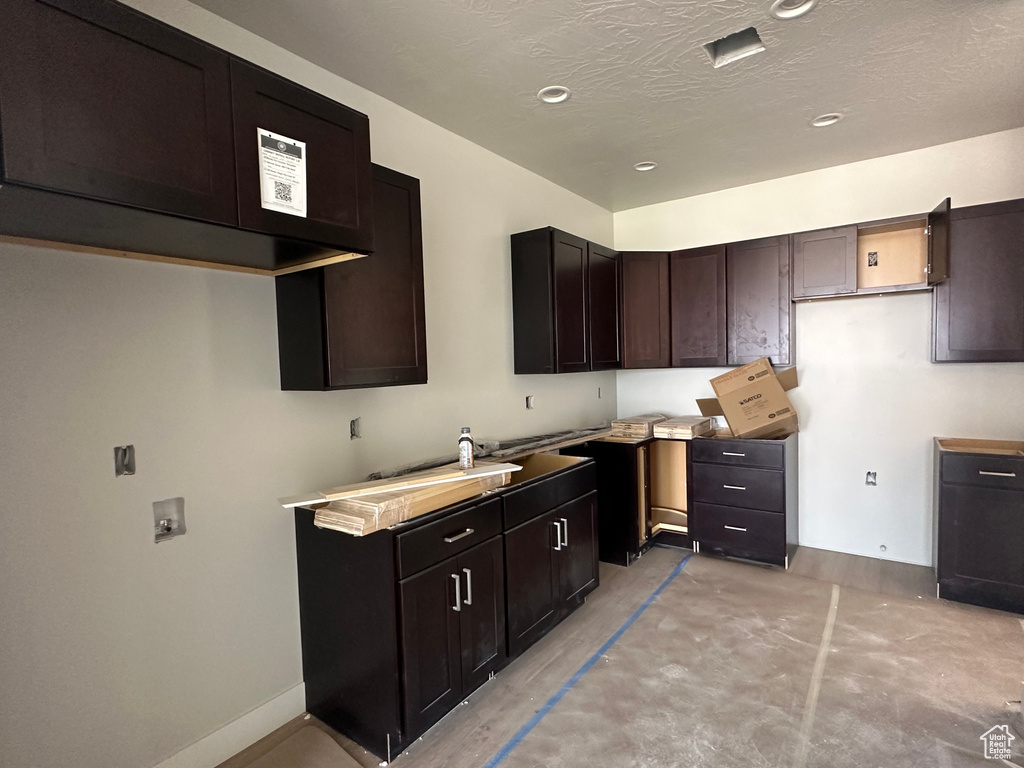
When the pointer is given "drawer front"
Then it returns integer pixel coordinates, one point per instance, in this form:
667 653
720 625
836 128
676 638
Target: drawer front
432 543
748 453
762 489
743 530
987 471
546 493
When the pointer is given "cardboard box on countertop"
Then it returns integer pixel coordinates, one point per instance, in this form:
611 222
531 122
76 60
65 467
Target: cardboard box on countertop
753 400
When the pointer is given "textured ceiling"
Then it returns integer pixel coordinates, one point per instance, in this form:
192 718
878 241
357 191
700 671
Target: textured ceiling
907 74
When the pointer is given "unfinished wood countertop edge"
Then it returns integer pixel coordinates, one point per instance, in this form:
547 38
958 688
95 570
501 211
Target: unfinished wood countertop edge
981 445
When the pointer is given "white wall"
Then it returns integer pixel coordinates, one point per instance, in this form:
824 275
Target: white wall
116 652
868 397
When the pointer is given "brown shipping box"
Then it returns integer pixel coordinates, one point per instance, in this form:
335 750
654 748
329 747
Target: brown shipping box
753 400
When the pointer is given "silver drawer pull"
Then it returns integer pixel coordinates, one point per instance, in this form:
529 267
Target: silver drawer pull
469 585
735 487
565 532
727 453
456 537
734 528
558 536
458 593
997 474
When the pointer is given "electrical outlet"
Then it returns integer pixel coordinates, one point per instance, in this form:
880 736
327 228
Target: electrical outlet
871 478
529 402
354 429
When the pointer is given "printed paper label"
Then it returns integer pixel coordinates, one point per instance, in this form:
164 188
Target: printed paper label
282 173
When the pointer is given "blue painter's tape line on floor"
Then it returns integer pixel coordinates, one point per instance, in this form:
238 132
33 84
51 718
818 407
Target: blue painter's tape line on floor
549 705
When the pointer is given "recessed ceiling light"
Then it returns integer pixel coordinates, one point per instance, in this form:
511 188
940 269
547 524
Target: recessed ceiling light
646 165
791 9
553 94
823 121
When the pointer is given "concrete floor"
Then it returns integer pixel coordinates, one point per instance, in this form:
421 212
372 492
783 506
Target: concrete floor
739 665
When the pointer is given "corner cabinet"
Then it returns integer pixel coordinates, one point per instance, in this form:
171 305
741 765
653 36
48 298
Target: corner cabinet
646 332
978 313
697 297
360 323
121 132
564 303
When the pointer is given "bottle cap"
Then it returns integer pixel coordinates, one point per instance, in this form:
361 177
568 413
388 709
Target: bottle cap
465 430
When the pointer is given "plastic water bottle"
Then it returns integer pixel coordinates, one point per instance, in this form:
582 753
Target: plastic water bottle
465 449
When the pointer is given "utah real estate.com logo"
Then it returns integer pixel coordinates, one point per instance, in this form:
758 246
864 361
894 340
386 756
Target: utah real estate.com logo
997 742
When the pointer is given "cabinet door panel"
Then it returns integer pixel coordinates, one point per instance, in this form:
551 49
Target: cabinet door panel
759 307
431 652
825 262
697 294
578 573
532 586
569 265
645 310
979 310
101 101
603 307
982 535
938 243
338 175
374 306
483 612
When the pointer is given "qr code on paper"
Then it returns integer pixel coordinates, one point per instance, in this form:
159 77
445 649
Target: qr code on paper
282 192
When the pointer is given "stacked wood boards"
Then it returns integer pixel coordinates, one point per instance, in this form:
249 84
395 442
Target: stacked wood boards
636 426
684 427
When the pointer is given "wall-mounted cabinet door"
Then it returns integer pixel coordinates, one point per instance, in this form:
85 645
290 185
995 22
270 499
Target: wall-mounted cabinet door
603 307
697 299
979 310
825 262
569 269
938 243
645 310
758 298
338 194
102 102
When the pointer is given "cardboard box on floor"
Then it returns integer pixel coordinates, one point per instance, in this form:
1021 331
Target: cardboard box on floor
753 400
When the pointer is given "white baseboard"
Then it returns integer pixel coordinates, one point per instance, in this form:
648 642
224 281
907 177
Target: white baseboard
228 741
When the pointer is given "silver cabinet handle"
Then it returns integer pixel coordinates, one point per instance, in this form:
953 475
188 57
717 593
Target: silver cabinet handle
558 536
458 593
727 453
456 537
735 487
997 474
734 528
469 585
565 532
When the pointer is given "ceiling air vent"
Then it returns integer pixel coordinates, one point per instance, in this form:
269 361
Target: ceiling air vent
733 47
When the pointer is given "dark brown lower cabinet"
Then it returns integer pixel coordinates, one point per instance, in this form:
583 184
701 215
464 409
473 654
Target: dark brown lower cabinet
360 323
979 310
980 529
551 566
401 625
452 619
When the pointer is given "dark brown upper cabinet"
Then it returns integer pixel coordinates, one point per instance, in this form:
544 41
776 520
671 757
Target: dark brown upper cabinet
825 262
103 102
360 323
645 310
564 303
979 309
697 306
603 307
910 253
121 132
758 298
338 177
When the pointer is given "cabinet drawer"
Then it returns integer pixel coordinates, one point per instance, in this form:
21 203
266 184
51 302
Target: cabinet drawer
749 453
762 489
547 493
433 542
988 471
743 530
